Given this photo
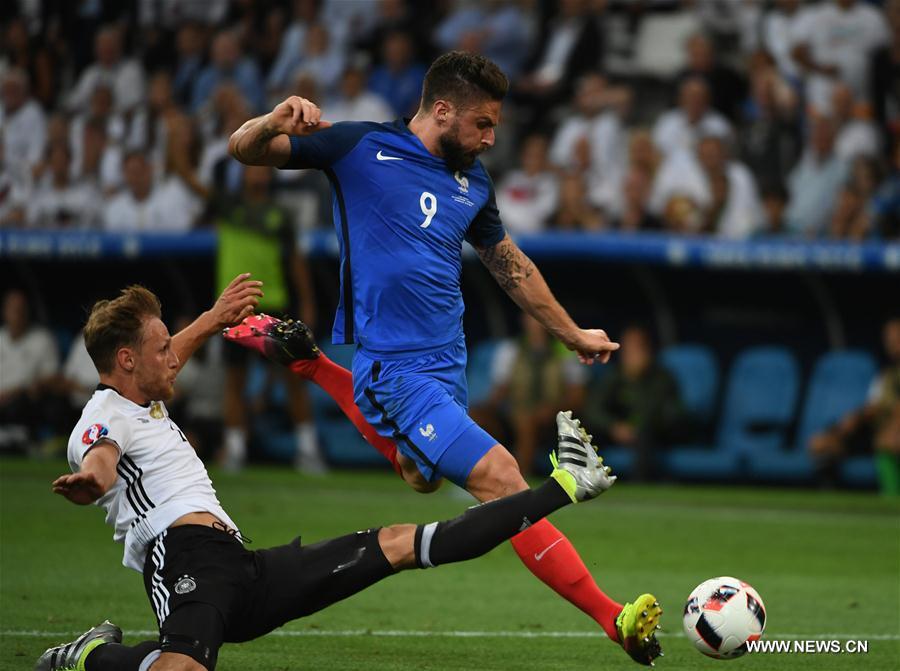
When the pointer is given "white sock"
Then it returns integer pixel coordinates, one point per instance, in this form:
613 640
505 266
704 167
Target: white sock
306 439
235 444
149 659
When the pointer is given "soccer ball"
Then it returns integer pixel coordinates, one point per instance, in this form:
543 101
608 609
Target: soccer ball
721 615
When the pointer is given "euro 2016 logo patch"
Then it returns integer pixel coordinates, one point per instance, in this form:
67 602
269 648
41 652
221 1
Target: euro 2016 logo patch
185 585
94 433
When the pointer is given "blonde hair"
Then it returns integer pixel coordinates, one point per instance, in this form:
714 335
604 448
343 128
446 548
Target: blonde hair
118 323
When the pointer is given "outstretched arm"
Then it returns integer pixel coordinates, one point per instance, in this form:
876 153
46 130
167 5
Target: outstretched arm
264 140
519 278
238 300
97 475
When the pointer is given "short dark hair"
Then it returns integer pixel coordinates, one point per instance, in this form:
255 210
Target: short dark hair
461 77
118 323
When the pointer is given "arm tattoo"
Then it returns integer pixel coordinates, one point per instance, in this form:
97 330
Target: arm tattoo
255 147
509 266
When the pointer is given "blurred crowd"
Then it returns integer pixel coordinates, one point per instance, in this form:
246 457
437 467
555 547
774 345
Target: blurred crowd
735 118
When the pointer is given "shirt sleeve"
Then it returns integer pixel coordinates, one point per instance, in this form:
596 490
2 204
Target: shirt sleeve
324 148
486 229
91 430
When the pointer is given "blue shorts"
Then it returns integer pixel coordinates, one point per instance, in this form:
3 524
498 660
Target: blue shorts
420 402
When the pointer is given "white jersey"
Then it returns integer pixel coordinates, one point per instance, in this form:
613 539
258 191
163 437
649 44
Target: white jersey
160 476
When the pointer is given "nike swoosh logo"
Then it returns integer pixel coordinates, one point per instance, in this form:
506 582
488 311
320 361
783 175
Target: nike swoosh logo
540 555
382 157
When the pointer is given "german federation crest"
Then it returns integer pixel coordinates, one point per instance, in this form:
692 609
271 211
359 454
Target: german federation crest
185 585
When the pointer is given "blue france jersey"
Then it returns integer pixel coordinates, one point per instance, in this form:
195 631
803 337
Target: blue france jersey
401 217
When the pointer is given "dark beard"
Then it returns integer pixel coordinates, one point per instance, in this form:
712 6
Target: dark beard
453 153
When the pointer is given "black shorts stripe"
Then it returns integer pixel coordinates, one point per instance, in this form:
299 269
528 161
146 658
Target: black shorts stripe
347 275
398 435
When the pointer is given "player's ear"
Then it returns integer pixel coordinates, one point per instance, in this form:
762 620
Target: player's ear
441 110
125 358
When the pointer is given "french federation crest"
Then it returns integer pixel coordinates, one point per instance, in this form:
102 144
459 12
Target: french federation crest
462 180
94 433
156 411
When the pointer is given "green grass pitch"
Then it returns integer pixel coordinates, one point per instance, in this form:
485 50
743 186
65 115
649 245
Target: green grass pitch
827 566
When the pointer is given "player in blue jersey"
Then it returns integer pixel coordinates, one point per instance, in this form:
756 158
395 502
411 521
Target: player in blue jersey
405 196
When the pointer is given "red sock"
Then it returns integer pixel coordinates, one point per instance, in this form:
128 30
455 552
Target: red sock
550 556
337 382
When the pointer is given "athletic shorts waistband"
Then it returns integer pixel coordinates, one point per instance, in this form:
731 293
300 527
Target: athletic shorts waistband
378 355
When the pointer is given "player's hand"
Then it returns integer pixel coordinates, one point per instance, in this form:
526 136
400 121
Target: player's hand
296 116
81 488
238 301
593 345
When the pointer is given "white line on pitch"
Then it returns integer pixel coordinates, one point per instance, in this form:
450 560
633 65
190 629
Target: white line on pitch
390 633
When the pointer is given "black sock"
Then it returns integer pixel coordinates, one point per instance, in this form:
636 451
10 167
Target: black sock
118 657
482 528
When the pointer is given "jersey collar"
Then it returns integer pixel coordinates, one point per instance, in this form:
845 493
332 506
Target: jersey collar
103 387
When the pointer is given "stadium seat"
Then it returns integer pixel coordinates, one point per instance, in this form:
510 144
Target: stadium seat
859 472
838 385
696 371
757 409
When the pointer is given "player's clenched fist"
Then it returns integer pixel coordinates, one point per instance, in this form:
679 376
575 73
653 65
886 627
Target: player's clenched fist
296 116
265 140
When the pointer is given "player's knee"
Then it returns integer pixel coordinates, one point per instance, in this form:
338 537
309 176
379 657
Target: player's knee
173 661
495 476
396 543
414 478
422 486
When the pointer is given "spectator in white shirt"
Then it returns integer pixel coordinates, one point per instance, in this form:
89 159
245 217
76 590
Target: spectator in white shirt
124 76
78 377
318 55
527 197
777 36
833 42
100 160
23 126
58 201
598 111
815 183
29 359
130 210
855 136
680 129
149 129
304 14
169 207
735 209
723 190
354 102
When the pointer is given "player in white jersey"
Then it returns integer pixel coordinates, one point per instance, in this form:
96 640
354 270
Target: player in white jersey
130 458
